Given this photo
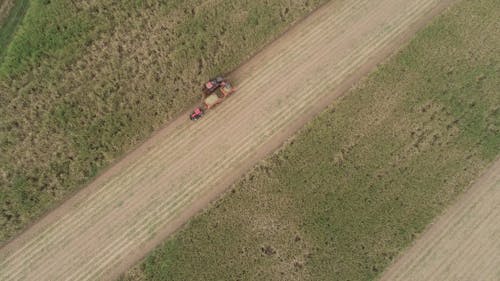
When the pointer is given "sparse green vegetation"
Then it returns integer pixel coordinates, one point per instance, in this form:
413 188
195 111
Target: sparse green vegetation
11 14
49 28
83 81
358 183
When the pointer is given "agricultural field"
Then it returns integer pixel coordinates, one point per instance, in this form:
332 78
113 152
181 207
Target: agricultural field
129 209
82 82
11 14
463 244
359 183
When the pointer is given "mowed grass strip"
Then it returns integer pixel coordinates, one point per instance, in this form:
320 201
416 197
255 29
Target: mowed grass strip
82 82
11 15
360 182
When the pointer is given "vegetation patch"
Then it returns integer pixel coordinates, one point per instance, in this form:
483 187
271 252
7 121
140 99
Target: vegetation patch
11 15
84 81
362 180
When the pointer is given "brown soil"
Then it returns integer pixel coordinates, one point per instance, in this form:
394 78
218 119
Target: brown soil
463 244
116 220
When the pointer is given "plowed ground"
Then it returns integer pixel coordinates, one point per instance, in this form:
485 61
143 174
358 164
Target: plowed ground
122 215
464 244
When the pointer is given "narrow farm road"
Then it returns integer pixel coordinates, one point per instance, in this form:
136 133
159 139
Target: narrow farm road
463 244
132 207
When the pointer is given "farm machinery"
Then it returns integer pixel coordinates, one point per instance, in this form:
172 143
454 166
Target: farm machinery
214 92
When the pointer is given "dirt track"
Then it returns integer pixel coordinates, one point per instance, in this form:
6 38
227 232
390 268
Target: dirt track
462 245
128 210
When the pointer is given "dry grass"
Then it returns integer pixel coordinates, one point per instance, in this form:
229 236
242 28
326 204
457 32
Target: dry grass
5 6
360 182
77 94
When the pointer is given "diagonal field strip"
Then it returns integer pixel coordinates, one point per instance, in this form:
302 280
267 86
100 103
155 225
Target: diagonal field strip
463 244
122 215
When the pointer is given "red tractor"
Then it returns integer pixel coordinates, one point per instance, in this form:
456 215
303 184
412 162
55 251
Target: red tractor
211 97
212 85
197 114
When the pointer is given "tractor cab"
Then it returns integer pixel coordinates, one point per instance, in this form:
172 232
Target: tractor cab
212 85
196 114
